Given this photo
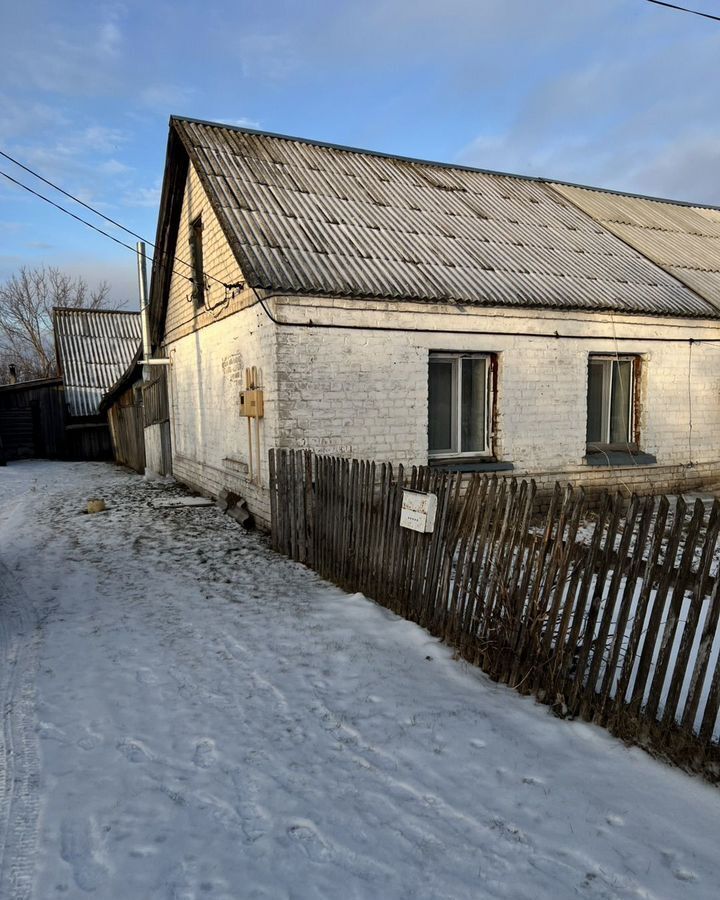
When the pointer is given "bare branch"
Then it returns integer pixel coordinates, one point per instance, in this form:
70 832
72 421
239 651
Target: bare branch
27 299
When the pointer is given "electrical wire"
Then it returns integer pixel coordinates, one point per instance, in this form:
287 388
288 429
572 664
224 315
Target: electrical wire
72 197
262 300
494 332
693 12
690 409
76 217
100 215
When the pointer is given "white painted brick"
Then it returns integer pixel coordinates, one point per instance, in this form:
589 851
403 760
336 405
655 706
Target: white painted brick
364 394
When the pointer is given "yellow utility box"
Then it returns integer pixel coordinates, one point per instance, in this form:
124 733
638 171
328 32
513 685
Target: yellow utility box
251 403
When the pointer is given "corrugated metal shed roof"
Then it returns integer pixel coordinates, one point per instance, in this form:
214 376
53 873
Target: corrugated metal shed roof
94 349
314 219
684 240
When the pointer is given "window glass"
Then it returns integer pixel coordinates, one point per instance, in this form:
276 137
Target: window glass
596 371
610 400
472 405
196 257
620 406
440 405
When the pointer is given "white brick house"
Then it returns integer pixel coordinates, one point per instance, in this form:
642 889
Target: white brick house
413 312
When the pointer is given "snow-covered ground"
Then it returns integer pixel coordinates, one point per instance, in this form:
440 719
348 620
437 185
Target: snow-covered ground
187 715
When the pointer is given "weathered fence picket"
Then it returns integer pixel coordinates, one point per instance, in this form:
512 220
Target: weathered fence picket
613 616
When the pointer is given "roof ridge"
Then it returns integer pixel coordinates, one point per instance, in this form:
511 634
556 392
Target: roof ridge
644 227
87 309
538 179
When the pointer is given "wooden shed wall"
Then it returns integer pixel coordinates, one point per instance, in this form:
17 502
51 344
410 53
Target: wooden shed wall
88 439
32 421
125 418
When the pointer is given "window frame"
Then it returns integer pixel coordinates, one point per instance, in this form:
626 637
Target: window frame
196 258
632 442
456 358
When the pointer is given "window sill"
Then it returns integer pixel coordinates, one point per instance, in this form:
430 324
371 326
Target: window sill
619 458
455 464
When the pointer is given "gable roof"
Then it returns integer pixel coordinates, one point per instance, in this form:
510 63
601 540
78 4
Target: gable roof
94 348
683 239
311 218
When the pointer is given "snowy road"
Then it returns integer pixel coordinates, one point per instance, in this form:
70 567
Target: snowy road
187 715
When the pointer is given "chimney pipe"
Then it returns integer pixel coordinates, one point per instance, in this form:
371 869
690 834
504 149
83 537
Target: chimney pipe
145 315
142 286
13 374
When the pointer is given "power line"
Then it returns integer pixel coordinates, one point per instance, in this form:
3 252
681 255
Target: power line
73 197
693 12
73 215
101 216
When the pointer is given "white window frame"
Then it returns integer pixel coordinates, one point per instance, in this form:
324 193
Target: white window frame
456 420
608 398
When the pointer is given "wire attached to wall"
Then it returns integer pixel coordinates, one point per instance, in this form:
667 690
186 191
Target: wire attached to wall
690 409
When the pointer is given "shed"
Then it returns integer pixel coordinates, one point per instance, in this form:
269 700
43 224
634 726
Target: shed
94 348
32 421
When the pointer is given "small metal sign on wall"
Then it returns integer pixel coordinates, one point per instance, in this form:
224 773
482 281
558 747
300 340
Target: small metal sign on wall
418 511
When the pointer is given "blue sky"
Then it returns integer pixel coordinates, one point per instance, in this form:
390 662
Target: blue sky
616 93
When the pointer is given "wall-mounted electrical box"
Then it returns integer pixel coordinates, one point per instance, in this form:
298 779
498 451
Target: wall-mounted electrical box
251 403
418 511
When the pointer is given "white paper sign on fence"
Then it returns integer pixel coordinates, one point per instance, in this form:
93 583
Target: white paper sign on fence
418 511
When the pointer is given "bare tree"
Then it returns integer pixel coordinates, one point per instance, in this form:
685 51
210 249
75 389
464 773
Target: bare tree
27 299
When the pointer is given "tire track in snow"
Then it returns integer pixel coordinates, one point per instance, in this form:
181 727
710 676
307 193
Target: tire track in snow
19 760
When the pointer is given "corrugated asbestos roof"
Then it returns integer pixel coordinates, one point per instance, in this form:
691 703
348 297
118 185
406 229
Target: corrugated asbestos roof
315 219
94 349
684 240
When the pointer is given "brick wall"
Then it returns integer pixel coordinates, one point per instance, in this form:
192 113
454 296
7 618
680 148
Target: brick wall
363 393
209 437
209 348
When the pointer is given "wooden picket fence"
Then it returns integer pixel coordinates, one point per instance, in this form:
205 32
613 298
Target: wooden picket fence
611 615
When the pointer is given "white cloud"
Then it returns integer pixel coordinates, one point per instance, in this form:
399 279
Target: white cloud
630 121
114 167
269 56
110 37
19 119
239 123
95 139
142 197
39 245
166 98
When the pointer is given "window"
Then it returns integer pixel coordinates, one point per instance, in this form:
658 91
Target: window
459 404
611 402
196 258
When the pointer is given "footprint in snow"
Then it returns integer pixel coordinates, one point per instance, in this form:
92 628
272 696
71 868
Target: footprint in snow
205 755
146 676
88 742
77 848
305 833
669 857
133 750
684 875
